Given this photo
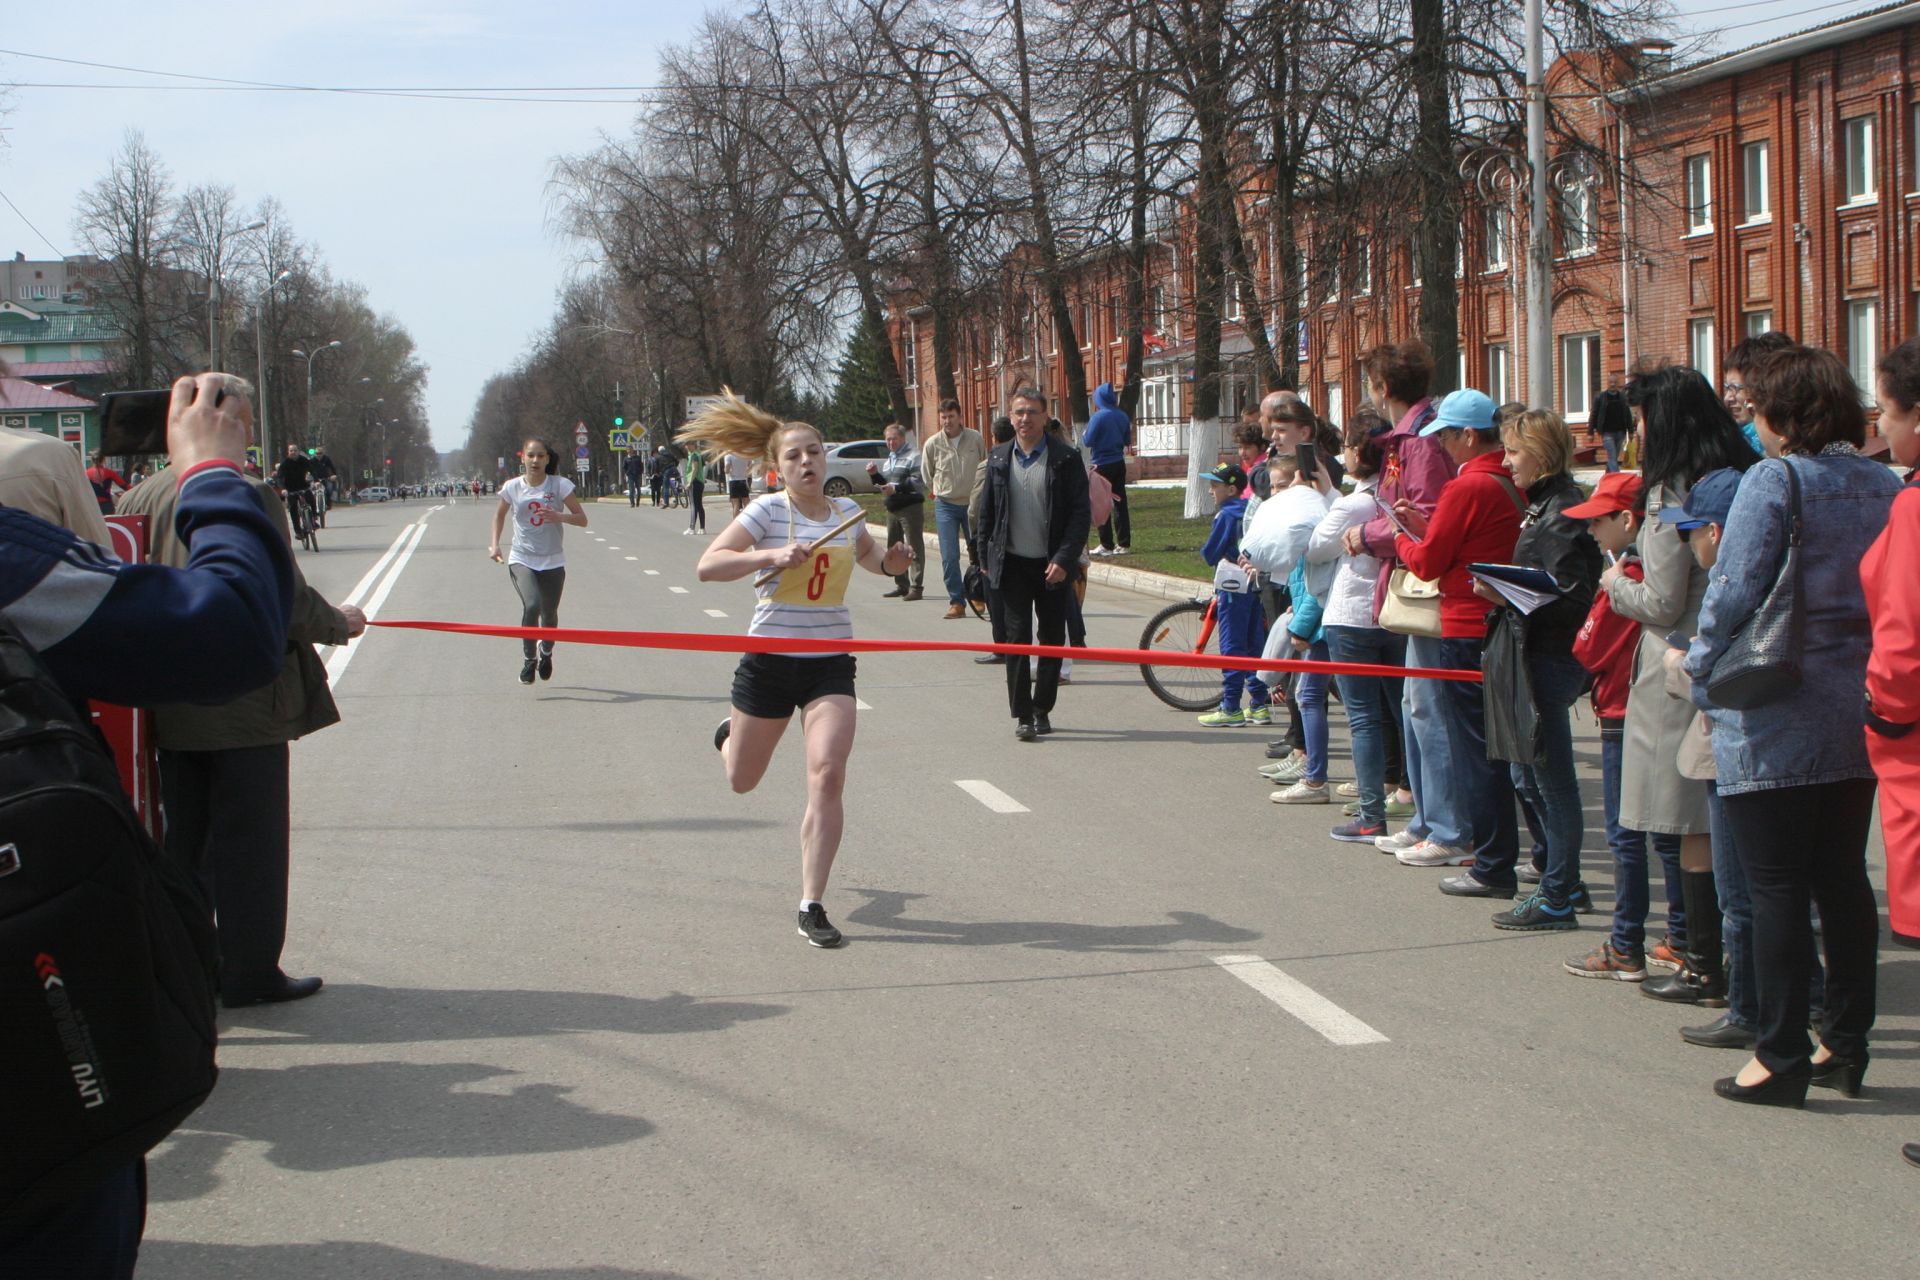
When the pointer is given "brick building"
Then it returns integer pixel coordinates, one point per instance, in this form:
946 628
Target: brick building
1776 186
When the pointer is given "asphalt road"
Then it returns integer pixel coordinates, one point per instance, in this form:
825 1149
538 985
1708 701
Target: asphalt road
569 1029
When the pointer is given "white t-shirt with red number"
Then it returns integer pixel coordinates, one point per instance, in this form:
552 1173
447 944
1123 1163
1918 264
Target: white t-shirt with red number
536 537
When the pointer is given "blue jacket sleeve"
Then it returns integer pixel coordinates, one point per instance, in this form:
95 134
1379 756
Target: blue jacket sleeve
1224 540
145 634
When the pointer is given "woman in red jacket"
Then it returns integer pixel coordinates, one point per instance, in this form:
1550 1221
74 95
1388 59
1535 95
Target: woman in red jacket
1893 669
1466 801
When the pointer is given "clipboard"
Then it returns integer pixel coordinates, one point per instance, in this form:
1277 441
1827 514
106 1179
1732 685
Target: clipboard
1394 520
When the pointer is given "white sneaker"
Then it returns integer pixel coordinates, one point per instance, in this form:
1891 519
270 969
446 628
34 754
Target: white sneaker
1396 842
1349 789
1098 552
1431 854
1066 670
1301 792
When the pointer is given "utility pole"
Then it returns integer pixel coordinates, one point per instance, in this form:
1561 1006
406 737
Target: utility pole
1539 229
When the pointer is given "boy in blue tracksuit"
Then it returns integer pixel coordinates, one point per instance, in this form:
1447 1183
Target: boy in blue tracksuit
1236 613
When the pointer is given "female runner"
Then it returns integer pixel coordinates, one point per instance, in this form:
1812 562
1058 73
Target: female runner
807 599
540 502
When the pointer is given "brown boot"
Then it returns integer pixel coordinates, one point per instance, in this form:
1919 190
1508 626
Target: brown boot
956 611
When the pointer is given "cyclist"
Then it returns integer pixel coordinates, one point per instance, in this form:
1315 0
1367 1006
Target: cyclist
294 478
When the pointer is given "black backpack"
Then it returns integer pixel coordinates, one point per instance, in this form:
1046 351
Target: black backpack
106 958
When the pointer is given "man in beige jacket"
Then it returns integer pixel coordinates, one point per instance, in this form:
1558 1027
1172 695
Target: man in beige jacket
950 465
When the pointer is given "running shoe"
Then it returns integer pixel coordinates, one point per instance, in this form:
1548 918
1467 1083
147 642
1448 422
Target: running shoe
1302 792
546 666
1396 842
721 734
1223 719
1580 900
1358 832
1400 808
1530 873
1259 715
1288 770
815 928
526 671
1534 914
1604 962
1664 955
1431 853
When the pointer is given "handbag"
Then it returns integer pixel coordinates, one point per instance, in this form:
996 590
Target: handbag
1411 606
1762 663
1228 576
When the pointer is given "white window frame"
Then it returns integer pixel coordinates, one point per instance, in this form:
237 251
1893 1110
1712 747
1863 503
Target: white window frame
912 356
1499 237
1499 373
1755 323
1585 348
1699 193
1862 185
1336 404
1863 342
1583 200
1701 351
1363 267
1761 210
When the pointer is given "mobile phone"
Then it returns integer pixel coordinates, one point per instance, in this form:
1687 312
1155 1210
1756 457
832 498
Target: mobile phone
134 423
1309 459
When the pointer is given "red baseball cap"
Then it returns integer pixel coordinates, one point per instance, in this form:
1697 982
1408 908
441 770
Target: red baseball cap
1617 491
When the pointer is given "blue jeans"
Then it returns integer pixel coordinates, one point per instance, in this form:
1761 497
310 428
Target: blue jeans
1736 917
1310 691
1370 702
1616 448
1550 781
1480 790
1631 896
1241 624
950 522
1446 743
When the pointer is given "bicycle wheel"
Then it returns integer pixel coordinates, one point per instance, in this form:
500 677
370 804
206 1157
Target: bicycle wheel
1177 629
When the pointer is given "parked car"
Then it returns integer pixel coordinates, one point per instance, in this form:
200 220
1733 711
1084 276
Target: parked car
847 467
375 493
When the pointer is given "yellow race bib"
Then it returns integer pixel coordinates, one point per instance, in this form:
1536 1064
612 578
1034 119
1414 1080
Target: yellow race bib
819 582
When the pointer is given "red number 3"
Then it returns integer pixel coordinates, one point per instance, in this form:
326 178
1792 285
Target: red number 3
817 584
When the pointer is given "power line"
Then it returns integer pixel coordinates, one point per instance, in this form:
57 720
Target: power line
23 217
421 95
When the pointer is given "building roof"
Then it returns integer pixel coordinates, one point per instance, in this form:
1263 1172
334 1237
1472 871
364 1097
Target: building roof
17 394
49 323
1783 48
56 368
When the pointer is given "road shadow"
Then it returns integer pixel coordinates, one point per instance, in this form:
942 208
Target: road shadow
321 1117
355 1014
334 1259
886 909
634 824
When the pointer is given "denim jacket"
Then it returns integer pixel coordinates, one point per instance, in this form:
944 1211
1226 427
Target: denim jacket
1815 734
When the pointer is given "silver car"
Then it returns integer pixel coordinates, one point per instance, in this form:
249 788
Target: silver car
847 467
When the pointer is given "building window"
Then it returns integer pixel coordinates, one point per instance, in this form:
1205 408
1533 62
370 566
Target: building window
1336 404
1856 137
1913 156
1579 373
1701 353
1086 323
1498 376
1863 342
1361 271
1756 175
1699 194
1499 237
1460 251
1156 308
1755 323
1300 279
1236 299
911 364
1578 233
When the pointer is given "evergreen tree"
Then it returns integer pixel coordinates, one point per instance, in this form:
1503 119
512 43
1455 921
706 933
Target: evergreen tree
859 407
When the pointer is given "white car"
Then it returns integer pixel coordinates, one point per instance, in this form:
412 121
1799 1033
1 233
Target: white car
847 467
376 493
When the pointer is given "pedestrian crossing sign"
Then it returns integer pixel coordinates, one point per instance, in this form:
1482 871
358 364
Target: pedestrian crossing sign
619 441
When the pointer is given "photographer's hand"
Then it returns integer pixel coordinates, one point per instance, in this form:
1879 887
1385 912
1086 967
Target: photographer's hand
208 421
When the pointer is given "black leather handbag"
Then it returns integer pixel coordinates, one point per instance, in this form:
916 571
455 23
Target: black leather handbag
1763 663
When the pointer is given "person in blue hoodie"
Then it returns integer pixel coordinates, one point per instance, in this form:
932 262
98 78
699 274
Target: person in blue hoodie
1237 612
1107 438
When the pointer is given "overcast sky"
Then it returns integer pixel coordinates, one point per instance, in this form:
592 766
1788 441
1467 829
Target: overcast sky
438 208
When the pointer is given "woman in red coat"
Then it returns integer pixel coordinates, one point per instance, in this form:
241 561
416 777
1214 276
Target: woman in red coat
1893 669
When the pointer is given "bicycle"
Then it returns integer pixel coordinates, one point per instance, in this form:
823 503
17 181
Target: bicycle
300 512
1189 626
317 494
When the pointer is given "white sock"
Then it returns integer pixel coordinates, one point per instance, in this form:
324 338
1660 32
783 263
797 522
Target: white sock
806 904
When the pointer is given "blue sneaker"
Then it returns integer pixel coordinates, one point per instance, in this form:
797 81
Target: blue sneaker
1535 914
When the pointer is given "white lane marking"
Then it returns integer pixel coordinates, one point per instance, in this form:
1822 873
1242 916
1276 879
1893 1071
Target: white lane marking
713 613
613 548
379 566
633 557
337 664
599 539
861 704
991 796
651 573
1300 1000
679 591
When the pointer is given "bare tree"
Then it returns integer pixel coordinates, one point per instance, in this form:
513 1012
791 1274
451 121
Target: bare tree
126 219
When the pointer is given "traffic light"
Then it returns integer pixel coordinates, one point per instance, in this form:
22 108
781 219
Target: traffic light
389 461
313 453
619 421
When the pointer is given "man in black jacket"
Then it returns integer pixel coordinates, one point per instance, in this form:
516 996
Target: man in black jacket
1034 518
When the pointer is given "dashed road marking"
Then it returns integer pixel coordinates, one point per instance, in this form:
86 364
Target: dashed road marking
613 548
633 557
679 591
713 613
861 704
1300 1000
651 573
991 796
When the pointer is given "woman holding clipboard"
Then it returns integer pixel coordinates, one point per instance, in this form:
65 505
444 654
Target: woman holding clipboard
800 546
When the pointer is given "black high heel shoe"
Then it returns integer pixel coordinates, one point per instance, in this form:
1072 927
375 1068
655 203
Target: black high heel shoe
1844 1074
1781 1089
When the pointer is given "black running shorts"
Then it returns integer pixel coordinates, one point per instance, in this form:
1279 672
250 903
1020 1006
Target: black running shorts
771 686
737 489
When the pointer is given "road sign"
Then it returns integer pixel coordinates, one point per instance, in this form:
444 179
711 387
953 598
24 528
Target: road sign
579 433
619 441
581 452
582 465
696 403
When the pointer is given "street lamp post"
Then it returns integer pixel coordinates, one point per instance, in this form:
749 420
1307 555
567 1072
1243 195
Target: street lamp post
260 360
219 247
310 358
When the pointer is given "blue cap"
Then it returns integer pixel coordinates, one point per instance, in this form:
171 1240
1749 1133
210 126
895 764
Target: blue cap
1707 503
1466 408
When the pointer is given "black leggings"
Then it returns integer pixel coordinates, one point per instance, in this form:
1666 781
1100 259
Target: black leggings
1796 844
696 498
539 599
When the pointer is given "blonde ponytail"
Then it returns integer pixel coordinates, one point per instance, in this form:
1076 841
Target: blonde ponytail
734 426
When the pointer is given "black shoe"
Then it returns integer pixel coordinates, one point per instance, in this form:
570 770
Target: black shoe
1042 725
1911 1154
815 929
286 989
913 593
1689 984
1580 900
1279 750
1844 1074
724 732
1025 731
990 660
895 594
526 671
1718 1034
546 666
1781 1089
1465 885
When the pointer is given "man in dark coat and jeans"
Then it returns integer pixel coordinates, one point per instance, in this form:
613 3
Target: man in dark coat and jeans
1034 517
